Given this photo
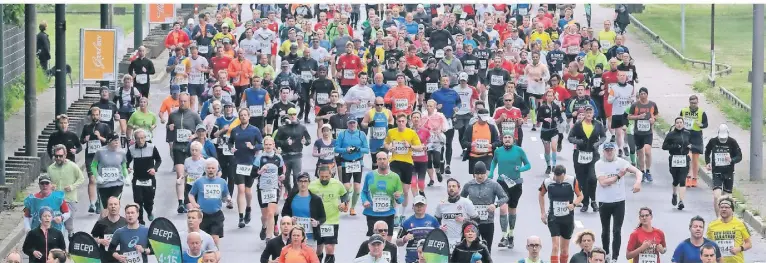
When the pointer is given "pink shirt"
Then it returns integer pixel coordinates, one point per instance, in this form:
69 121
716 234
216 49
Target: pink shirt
435 121
421 157
570 40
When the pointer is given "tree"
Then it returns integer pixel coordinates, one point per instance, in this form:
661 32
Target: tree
13 14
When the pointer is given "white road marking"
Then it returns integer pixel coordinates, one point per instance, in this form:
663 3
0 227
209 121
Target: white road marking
534 139
542 156
578 224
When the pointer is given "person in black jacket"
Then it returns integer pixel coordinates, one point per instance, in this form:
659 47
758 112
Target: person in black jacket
41 240
549 114
586 155
585 240
677 143
470 245
141 68
43 46
94 137
721 154
479 149
291 138
316 207
274 246
64 137
146 161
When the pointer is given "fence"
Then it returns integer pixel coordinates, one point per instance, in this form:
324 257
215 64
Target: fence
14 53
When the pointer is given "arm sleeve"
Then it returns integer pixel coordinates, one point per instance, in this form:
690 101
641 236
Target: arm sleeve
704 121
527 165
493 165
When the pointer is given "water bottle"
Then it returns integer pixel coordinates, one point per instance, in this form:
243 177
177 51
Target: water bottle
475 257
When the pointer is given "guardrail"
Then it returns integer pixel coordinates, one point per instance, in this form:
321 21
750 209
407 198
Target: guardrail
735 100
721 68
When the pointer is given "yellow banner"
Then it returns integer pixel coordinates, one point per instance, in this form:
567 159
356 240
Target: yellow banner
162 13
98 49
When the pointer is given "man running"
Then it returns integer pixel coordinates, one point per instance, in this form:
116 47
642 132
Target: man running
307 209
721 154
334 197
103 230
402 142
480 140
207 194
731 234
510 160
644 112
692 248
587 135
695 119
351 146
93 136
620 97
378 120
146 161
181 124
564 194
453 212
486 196
67 177
416 228
381 192
244 141
133 239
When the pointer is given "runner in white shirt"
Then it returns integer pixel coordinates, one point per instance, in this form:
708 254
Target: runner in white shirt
610 193
360 98
250 45
621 96
265 38
197 67
452 212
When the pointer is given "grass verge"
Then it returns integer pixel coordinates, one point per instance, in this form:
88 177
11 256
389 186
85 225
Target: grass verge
15 91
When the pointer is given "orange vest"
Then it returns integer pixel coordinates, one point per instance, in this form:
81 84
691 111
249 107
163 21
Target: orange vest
481 140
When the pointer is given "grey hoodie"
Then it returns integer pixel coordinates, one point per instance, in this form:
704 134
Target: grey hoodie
482 194
452 69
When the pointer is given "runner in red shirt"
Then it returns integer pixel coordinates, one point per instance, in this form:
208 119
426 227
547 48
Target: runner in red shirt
560 93
646 243
219 62
608 78
572 78
509 118
348 67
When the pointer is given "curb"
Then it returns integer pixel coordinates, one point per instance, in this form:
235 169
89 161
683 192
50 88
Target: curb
747 216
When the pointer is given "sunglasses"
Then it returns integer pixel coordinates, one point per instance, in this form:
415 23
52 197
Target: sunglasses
59 155
381 230
45 183
534 245
380 105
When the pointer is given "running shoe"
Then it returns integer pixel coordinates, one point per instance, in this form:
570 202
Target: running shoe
681 205
247 217
352 212
439 177
502 242
229 204
648 176
241 223
92 209
594 206
447 170
430 183
181 209
509 242
263 233
548 170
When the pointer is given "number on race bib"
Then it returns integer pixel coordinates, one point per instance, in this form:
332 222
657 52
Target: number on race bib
560 208
192 176
392 83
726 245
212 191
305 222
110 174
470 69
482 145
354 167
720 159
482 211
597 82
605 45
432 87
572 84
244 169
256 110
482 64
688 123
306 76
574 49
226 151
142 78
182 135
349 74
509 127
269 196
647 258
584 157
94 146
106 115
143 182
400 148
379 133
381 203
322 98
643 125
523 11
327 231
202 49
496 80
133 257
401 104
439 53
678 161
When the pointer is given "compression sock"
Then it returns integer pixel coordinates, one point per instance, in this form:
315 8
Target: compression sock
355 199
547 160
511 224
554 258
632 158
563 258
181 202
504 223
330 258
241 216
553 158
320 256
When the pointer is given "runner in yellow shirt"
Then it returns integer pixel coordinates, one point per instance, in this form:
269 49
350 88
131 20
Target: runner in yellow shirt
401 141
607 36
731 235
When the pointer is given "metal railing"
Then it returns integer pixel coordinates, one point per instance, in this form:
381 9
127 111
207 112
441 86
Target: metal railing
14 54
735 100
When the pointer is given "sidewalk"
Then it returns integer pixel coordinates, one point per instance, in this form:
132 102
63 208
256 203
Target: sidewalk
670 89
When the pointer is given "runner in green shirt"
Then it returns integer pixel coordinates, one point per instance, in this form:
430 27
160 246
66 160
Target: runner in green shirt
334 198
381 191
142 119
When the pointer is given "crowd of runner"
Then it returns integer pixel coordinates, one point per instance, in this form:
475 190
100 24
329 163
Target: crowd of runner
398 88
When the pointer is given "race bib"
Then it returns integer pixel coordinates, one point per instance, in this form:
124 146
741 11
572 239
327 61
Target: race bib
630 75
305 222
720 159
108 237
256 110
470 69
322 98
725 245
244 169
432 87
560 208
182 135
381 203
643 125
148 135
510 182
678 161
226 151
605 45
584 157
94 146
142 78
327 231
211 191
180 69
647 258
439 53
269 196
379 133
496 80
196 78
482 211
387 256
202 49
482 145
133 257
597 82
523 11
688 123
401 104
143 182
392 83
306 76
349 74
572 84
573 49
106 115
482 64
193 176
353 167
400 148
509 127
110 174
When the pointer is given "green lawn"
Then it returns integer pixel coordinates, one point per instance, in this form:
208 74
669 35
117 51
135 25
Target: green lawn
82 7
74 24
733 41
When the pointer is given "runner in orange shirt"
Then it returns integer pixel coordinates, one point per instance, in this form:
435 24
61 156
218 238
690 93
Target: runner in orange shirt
240 71
401 98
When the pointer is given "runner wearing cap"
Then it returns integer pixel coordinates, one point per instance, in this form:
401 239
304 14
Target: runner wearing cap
181 124
334 197
480 140
644 113
244 141
291 137
269 167
449 102
390 72
109 167
610 190
277 113
510 160
207 194
376 243
208 147
306 208
729 233
220 133
49 198
564 194
721 154
93 137
324 149
378 120
194 168
351 146
486 196
416 228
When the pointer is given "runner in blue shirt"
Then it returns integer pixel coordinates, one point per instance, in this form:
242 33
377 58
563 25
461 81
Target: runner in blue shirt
416 228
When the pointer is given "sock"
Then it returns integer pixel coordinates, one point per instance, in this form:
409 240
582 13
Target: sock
181 202
355 199
554 258
241 216
504 223
561 139
547 159
320 256
93 202
330 258
553 158
511 224
633 158
563 258
248 209
276 221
